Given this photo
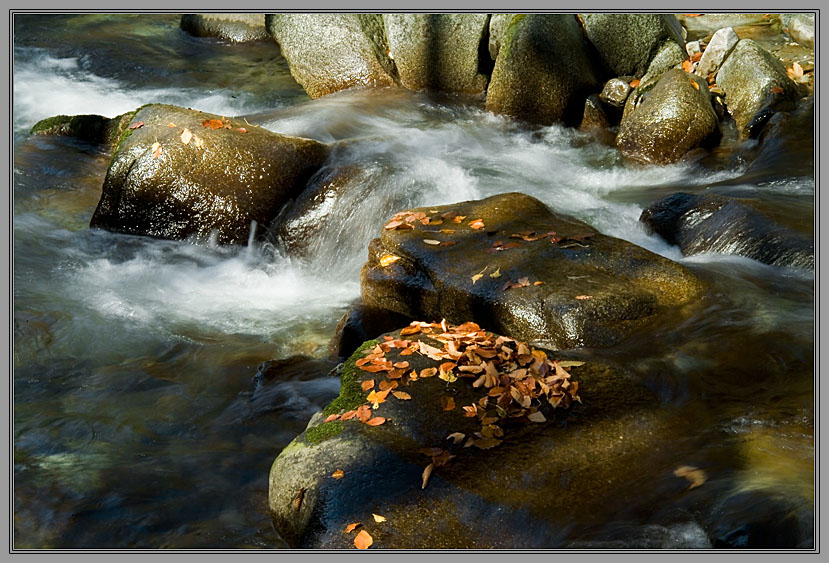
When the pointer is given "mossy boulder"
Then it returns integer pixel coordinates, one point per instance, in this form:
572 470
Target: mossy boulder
628 42
756 86
360 324
715 223
674 118
237 28
219 182
545 484
543 72
331 52
498 24
438 52
593 289
93 129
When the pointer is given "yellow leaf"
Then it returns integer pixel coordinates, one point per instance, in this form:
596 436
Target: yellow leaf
496 273
388 259
402 395
350 527
378 518
476 277
338 474
363 540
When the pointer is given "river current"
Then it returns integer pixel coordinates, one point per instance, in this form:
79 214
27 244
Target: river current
134 358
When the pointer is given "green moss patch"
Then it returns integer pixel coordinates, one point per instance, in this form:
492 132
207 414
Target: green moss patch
351 394
324 431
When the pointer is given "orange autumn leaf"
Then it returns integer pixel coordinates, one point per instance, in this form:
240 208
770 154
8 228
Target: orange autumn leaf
776 90
582 297
376 421
448 403
338 474
428 372
695 84
350 527
363 540
634 83
401 365
402 395
348 415
241 130
212 123
688 65
387 385
376 398
367 384
411 329
696 56
459 218
331 417
387 260
136 125
364 413
477 224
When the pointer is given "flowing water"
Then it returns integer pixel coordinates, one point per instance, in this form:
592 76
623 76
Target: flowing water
134 419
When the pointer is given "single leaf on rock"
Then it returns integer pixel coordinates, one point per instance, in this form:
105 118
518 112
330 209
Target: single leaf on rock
376 421
428 372
776 90
331 417
634 83
537 417
388 260
241 130
348 415
387 385
695 475
363 413
582 297
186 135
411 329
338 474
426 473
496 273
487 443
448 403
367 384
136 125
456 437
363 540
212 123
402 395
477 224
433 242
476 277
378 518
350 527
156 148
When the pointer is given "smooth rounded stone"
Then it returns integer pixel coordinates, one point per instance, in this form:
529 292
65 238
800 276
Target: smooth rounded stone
715 223
717 50
361 323
543 73
438 51
217 184
746 24
611 286
801 28
692 48
331 52
93 129
525 493
669 55
674 118
237 28
498 24
756 86
628 42
616 92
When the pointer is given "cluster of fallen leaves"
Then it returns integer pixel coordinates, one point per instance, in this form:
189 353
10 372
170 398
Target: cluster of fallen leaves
186 135
363 539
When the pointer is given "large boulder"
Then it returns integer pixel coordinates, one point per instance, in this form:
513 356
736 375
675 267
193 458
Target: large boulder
628 42
717 50
519 484
237 28
93 129
674 118
543 72
180 173
331 52
522 270
498 24
715 223
756 86
438 51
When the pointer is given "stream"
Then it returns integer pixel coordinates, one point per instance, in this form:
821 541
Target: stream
134 358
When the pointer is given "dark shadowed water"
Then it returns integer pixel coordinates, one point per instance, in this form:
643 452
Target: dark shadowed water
135 421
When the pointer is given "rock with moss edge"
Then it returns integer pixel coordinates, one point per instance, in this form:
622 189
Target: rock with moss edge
93 129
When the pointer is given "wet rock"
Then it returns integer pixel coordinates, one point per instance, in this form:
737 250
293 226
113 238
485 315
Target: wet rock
692 48
438 51
746 25
331 52
715 223
527 492
756 86
801 28
668 56
625 285
360 324
717 50
786 145
628 42
93 129
237 28
498 24
596 120
674 118
758 519
543 73
219 182
616 92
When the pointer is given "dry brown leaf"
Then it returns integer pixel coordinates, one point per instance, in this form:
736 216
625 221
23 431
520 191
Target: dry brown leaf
298 498
428 372
378 518
776 90
136 125
363 540
367 384
426 473
376 421
402 395
695 475
186 135
350 527
338 474
448 403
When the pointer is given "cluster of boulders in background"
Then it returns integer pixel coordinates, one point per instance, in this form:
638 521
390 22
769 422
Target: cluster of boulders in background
599 71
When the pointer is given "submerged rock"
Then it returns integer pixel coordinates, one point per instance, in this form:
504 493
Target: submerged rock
543 72
93 129
237 28
674 118
715 223
628 42
219 181
756 86
331 52
438 52
530 491
581 288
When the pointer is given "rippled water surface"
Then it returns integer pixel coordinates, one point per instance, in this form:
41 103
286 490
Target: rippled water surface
136 420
